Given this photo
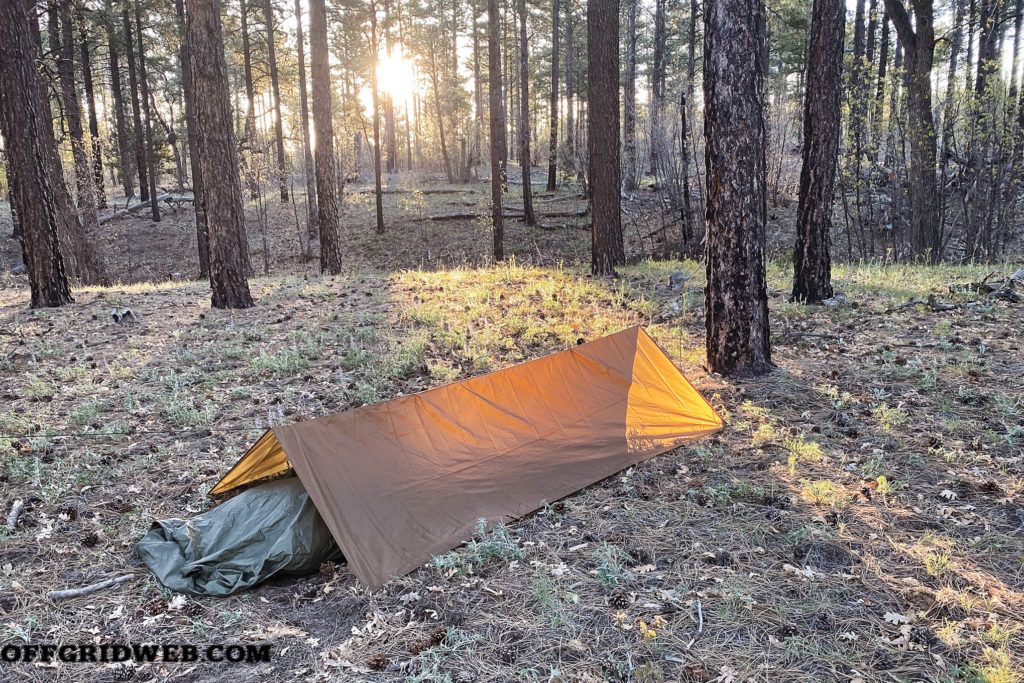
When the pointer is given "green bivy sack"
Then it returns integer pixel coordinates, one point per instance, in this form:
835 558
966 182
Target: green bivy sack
269 530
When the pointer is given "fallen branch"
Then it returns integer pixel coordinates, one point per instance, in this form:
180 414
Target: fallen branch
132 209
429 190
558 198
903 306
938 306
15 513
92 588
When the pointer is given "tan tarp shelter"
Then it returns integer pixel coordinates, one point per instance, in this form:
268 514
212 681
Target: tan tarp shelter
400 481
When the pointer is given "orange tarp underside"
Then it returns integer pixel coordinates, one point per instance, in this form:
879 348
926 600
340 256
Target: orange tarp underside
400 481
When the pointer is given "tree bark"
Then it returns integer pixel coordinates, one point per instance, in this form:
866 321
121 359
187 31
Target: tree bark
658 83
919 45
312 215
202 228
525 157
553 139
629 166
497 127
146 105
607 249
120 128
440 116
90 101
812 261
218 164
250 93
29 157
379 200
275 87
90 268
736 296
326 180
570 85
138 139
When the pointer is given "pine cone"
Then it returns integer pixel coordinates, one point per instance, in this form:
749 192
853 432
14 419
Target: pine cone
329 568
90 540
125 672
377 662
437 635
419 646
508 654
619 599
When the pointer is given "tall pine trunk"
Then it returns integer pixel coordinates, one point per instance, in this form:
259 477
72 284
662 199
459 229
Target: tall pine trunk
605 174
658 74
312 215
138 135
323 126
275 88
497 127
553 105
629 169
29 152
378 189
218 164
812 261
90 268
120 127
525 157
736 296
90 102
202 228
154 205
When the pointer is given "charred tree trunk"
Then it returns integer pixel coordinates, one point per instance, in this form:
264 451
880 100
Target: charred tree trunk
29 157
323 124
275 88
605 174
658 83
919 43
497 127
202 229
90 267
312 215
90 102
218 163
525 157
629 169
120 128
736 296
812 261
553 106
138 137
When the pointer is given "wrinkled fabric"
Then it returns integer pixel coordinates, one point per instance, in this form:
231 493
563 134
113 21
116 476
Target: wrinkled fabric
402 480
269 530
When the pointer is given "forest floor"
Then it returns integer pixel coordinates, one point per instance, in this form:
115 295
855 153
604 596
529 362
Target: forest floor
860 518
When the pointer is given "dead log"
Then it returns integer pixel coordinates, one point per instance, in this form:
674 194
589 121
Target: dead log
15 513
92 588
131 209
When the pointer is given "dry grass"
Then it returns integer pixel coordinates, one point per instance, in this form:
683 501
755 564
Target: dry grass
874 479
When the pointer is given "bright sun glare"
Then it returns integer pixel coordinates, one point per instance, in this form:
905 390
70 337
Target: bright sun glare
396 76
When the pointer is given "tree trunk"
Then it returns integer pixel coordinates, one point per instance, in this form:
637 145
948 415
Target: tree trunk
323 125
90 101
629 169
144 93
218 163
440 116
250 93
570 85
376 122
497 126
121 129
658 84
138 139
390 134
29 156
525 157
553 106
605 174
90 267
312 215
919 44
275 87
202 229
812 261
736 297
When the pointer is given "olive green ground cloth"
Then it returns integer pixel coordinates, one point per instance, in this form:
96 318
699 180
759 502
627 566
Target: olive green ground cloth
269 530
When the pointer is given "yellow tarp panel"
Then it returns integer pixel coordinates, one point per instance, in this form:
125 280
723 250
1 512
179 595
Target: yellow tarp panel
400 481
